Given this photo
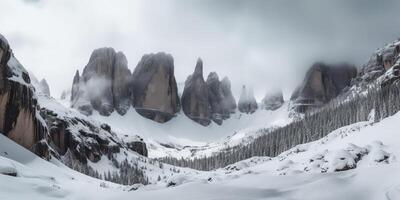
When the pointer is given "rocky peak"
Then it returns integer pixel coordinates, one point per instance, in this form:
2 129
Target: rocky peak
75 86
198 70
154 88
195 100
247 101
45 89
221 100
104 84
321 84
272 101
229 99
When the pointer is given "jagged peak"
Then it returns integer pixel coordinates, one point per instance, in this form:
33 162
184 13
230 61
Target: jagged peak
199 68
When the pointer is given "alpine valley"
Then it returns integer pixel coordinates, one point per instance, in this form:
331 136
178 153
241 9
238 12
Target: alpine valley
118 133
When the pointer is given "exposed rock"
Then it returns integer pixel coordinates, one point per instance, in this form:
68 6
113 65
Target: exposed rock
79 96
321 84
220 97
18 106
83 138
382 60
272 101
75 86
97 77
229 99
45 89
104 84
247 101
215 98
136 144
195 102
154 89
120 84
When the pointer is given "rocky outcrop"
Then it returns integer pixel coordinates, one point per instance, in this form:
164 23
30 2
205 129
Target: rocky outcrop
272 101
322 83
103 85
247 102
135 143
19 119
154 89
195 99
120 84
45 89
220 97
229 99
382 60
82 137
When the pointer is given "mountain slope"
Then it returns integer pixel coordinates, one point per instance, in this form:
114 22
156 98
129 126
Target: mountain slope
259 180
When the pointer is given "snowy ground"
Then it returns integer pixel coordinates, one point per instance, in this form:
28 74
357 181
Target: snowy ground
304 172
181 137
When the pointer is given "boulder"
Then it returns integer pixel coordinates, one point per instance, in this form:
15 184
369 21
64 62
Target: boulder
195 100
321 84
247 102
154 89
272 101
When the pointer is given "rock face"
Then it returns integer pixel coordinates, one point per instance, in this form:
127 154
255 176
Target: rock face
229 99
195 99
220 97
272 101
19 119
321 84
154 89
120 84
44 87
81 137
247 102
382 60
104 84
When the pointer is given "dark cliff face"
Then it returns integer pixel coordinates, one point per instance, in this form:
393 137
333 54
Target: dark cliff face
83 138
247 102
154 89
272 101
229 100
221 100
321 84
195 99
103 85
18 106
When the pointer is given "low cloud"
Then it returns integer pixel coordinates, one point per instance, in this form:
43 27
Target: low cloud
263 44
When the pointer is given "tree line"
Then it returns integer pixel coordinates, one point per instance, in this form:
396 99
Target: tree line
377 102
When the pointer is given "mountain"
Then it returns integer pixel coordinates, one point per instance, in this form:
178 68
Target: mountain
331 143
322 83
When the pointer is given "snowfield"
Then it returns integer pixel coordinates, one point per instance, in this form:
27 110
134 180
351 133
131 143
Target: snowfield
171 138
354 162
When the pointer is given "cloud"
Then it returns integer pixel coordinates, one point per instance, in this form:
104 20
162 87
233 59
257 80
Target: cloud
264 44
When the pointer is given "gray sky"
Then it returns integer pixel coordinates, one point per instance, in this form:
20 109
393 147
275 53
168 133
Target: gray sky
265 44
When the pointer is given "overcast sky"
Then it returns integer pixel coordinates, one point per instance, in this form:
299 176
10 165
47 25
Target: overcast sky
265 44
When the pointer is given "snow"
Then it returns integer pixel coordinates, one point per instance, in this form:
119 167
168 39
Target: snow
371 148
181 137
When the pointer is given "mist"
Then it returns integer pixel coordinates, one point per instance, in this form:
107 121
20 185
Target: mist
263 44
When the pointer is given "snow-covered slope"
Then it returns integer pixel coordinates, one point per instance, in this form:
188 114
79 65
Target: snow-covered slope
372 147
181 137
